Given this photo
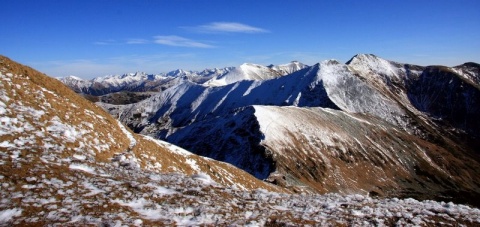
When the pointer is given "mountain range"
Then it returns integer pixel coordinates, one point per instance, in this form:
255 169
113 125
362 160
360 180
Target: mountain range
367 126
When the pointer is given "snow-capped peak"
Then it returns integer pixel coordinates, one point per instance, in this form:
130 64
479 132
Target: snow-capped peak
71 77
178 73
370 62
288 68
215 71
250 71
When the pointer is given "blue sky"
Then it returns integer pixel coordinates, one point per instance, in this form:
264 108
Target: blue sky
91 38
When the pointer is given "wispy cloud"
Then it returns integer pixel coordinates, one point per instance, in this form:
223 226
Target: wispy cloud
137 41
106 42
117 42
173 40
169 40
227 27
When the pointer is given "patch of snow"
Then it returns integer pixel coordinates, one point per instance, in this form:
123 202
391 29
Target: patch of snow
61 130
161 190
129 135
93 189
82 167
79 157
192 163
169 146
6 144
203 178
9 214
143 207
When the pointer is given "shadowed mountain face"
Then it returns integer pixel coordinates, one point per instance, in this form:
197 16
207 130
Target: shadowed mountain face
445 96
367 126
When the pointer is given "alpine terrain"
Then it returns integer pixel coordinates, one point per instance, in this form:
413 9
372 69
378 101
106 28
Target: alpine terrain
369 126
366 135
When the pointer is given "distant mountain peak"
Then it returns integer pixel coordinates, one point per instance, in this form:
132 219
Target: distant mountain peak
331 62
72 77
359 58
247 64
251 71
371 62
288 68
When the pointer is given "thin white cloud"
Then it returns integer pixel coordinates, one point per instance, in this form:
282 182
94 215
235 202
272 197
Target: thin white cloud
230 27
115 42
137 41
173 40
106 42
100 43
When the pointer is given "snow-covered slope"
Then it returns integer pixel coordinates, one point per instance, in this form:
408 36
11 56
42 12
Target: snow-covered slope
327 84
188 102
250 71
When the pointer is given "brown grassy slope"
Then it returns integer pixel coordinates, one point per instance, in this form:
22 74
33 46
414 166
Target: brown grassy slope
64 103
334 151
35 90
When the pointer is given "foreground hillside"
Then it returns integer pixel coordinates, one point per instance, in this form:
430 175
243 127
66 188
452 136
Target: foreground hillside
51 137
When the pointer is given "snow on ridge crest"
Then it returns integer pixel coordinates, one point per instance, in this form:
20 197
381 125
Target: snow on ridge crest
246 71
288 68
370 62
72 77
256 72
